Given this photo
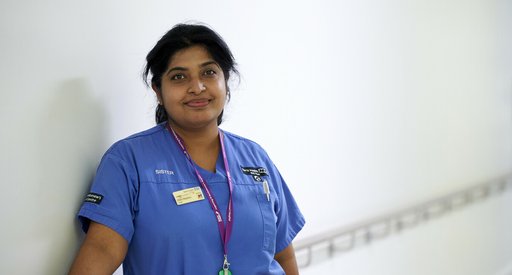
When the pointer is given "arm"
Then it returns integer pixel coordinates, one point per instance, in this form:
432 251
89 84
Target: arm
102 251
286 258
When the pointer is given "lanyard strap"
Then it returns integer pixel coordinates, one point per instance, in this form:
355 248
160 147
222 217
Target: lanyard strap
225 231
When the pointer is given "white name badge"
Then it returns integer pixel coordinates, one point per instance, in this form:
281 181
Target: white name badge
188 195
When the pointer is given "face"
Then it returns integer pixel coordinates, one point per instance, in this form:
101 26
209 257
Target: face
193 89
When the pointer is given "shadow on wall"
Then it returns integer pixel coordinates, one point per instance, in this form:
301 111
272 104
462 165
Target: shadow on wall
71 141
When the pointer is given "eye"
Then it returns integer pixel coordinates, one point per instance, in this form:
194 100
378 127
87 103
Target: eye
210 72
177 77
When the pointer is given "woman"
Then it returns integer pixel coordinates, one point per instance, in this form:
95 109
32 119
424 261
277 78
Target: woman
185 197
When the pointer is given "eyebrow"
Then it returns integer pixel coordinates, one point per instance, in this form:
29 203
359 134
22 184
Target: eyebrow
185 69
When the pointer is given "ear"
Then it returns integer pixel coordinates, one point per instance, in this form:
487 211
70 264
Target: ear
158 93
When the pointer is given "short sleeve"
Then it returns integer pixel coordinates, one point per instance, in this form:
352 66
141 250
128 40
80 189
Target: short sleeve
114 192
289 218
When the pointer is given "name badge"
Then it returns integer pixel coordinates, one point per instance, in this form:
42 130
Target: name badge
188 195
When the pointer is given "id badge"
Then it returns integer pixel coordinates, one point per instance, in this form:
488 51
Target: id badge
188 195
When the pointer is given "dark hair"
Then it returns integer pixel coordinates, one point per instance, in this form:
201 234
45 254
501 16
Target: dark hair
180 37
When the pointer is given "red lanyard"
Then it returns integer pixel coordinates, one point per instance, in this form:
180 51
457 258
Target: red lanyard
225 231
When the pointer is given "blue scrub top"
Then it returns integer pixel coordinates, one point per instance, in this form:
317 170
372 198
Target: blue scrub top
133 190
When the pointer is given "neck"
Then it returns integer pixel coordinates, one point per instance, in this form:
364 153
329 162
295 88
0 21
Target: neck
202 144
202 138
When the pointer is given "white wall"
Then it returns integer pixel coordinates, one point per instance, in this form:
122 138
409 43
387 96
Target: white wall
367 105
474 240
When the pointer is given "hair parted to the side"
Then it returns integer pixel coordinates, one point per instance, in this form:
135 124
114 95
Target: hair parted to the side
182 36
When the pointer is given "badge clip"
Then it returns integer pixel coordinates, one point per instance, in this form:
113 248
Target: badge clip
225 267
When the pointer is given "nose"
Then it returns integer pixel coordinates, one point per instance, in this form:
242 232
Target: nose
196 86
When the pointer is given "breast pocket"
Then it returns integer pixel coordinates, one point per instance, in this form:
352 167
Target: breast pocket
269 222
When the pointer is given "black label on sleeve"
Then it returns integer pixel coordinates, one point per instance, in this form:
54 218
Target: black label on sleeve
93 198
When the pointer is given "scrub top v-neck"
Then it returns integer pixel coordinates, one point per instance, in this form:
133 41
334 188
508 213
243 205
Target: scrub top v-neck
132 194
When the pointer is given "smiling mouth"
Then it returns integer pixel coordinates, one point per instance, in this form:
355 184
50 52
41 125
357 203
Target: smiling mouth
197 103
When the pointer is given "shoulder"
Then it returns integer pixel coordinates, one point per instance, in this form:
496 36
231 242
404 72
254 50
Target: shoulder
242 142
247 153
141 141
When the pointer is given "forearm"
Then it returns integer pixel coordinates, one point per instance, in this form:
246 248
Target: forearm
286 259
92 259
102 252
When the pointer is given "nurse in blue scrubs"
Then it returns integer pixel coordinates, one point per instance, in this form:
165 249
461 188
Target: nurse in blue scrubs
186 197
